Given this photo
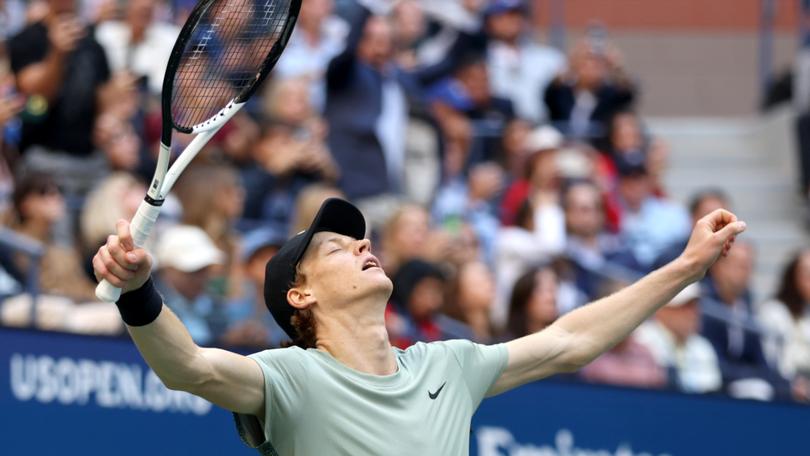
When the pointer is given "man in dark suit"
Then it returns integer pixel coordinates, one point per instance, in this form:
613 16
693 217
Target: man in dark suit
367 104
743 366
581 103
369 100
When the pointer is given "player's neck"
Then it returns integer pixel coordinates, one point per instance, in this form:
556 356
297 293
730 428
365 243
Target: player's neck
359 342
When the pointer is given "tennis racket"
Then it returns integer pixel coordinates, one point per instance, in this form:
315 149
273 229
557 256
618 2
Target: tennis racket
225 50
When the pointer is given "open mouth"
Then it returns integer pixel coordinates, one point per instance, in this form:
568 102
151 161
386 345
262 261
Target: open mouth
371 263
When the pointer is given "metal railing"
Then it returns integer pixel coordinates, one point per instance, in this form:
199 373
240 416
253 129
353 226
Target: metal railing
34 250
709 308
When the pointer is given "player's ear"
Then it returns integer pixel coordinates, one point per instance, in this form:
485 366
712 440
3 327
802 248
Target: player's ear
300 298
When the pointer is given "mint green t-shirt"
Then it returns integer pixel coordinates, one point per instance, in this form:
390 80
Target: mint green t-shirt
314 405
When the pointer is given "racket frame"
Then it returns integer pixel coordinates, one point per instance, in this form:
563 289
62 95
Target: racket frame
164 177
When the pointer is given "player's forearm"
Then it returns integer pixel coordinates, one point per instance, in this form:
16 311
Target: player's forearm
597 327
168 349
162 339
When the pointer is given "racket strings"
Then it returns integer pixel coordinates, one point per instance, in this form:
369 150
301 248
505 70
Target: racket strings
224 56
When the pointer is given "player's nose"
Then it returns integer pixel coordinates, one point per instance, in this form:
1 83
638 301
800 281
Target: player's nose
362 246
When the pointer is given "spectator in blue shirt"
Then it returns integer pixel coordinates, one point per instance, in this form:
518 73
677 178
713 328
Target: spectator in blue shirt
649 224
472 201
468 94
702 203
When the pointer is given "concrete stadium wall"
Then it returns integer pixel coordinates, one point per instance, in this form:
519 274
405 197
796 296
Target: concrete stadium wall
693 57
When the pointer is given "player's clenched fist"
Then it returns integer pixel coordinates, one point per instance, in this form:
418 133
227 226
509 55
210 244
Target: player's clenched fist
120 263
711 237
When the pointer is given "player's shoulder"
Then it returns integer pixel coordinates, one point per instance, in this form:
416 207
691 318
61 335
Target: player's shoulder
442 348
290 357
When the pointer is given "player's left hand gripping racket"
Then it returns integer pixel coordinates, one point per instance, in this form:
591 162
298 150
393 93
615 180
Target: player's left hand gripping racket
225 50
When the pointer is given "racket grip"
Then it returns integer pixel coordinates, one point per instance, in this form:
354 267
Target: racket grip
140 227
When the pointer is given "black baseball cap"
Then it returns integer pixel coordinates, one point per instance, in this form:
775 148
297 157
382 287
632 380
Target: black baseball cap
335 215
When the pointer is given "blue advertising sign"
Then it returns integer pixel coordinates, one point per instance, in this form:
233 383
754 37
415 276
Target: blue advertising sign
69 394
569 419
82 395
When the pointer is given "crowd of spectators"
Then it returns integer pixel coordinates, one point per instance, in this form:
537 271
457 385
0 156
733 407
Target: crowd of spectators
505 183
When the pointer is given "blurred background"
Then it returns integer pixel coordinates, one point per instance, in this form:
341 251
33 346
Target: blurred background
515 159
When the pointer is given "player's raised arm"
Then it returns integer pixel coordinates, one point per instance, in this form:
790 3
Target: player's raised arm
229 380
580 336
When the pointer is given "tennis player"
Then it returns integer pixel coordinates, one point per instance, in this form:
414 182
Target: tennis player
344 389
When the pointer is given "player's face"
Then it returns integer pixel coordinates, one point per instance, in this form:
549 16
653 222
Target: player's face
340 270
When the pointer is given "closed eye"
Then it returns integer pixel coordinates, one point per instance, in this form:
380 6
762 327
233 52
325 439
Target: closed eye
333 251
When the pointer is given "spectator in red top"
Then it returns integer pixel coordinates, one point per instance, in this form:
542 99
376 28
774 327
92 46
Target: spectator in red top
541 180
627 364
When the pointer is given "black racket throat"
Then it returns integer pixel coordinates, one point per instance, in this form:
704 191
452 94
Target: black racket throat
154 202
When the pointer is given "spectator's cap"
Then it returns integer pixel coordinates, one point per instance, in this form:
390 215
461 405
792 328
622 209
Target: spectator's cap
630 160
187 248
505 6
255 240
408 277
686 295
335 215
543 138
629 169
451 93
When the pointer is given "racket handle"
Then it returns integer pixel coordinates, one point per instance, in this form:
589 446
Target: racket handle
140 227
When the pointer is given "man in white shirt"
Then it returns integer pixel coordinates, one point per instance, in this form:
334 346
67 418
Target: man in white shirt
519 69
139 44
673 339
318 36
